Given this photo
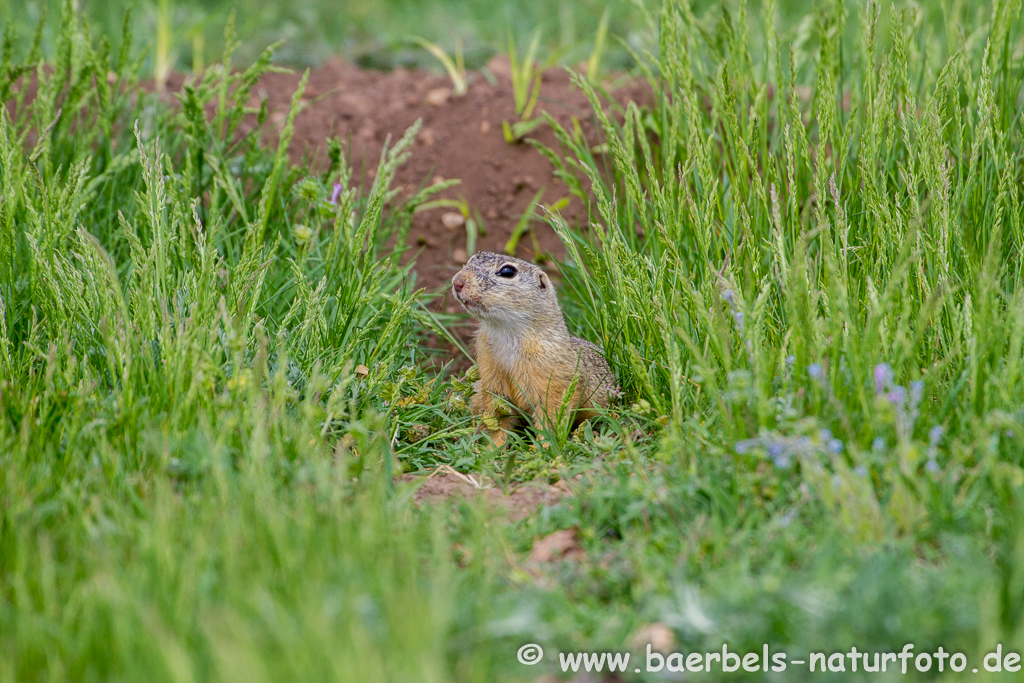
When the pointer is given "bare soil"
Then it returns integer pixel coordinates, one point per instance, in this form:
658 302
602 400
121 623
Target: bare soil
518 502
461 138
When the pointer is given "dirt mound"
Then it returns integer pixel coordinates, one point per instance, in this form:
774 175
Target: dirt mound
519 502
461 139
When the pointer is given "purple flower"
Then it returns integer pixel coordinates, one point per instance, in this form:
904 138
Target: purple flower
743 447
934 434
898 396
878 444
814 370
776 448
783 461
861 470
883 376
932 466
728 295
337 193
835 445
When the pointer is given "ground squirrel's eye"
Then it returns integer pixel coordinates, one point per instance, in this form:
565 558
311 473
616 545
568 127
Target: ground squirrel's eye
507 271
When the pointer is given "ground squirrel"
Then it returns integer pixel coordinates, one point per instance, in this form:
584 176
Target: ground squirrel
524 351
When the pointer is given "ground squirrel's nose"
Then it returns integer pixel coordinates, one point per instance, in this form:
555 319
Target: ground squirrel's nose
458 282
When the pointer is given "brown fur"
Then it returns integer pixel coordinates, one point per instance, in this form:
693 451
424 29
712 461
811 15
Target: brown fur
524 351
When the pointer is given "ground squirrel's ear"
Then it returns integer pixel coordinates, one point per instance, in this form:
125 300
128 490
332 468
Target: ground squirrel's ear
543 281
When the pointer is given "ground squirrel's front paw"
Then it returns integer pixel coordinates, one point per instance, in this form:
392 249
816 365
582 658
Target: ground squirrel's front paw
499 437
495 426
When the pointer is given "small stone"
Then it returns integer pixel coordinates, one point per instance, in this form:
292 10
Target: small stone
559 545
437 179
485 127
460 256
659 636
491 214
355 103
438 96
524 181
427 137
453 220
499 66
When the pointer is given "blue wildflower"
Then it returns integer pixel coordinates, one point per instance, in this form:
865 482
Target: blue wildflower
783 461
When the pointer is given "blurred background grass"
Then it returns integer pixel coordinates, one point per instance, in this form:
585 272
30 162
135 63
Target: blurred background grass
373 32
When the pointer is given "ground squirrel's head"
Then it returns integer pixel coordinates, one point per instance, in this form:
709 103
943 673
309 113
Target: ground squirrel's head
505 291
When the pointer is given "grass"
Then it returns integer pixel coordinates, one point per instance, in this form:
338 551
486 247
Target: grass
804 266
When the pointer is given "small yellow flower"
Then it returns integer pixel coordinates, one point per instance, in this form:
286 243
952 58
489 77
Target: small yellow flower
302 234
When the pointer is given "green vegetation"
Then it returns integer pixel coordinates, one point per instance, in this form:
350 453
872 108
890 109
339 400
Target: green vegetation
805 268
373 31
